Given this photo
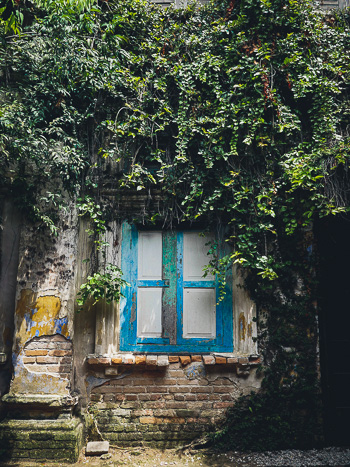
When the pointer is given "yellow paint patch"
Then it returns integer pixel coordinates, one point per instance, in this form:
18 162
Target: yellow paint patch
38 315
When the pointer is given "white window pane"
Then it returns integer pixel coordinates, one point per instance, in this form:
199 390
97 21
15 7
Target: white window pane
149 312
199 315
150 256
196 256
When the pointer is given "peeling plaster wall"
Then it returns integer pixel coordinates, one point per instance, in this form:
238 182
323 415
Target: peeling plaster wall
85 320
45 307
9 245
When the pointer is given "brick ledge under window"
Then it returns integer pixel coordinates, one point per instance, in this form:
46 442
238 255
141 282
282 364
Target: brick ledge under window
165 360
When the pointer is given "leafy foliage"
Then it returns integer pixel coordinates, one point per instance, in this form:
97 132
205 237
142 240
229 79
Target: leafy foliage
236 113
102 286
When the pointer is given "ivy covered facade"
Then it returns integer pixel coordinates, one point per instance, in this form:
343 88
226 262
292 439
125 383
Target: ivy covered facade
174 206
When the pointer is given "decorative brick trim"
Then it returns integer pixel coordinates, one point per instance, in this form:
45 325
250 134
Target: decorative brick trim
164 360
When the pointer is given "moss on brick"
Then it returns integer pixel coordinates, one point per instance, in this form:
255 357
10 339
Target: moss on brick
41 439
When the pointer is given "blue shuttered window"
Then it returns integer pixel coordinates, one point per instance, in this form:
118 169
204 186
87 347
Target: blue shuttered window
170 306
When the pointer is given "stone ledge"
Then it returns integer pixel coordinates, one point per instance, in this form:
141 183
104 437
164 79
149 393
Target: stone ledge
40 399
164 360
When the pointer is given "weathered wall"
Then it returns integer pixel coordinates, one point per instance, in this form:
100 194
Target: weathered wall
163 400
132 398
9 246
38 421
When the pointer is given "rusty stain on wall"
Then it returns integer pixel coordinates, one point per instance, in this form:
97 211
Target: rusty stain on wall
242 326
250 330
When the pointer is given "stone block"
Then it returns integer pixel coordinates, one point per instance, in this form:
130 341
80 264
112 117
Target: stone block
128 359
208 360
163 360
220 360
110 371
97 448
151 360
232 360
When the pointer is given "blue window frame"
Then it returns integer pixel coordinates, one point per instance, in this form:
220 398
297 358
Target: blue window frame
168 307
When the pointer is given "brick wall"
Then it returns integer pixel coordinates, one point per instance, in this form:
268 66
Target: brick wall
49 354
163 405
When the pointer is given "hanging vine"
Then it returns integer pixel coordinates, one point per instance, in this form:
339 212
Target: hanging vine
236 113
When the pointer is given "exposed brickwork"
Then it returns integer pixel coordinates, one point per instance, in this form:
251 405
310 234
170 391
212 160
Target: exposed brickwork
163 406
49 354
40 440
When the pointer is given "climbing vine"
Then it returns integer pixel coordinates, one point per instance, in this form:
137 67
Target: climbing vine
234 114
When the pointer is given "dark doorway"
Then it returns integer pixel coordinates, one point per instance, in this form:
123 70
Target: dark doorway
333 238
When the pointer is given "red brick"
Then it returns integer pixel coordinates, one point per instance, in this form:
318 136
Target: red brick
176 405
180 421
180 397
144 397
169 381
99 361
243 360
226 397
220 360
29 359
223 405
173 359
60 353
168 397
214 397
202 397
34 353
155 397
185 360
221 389
150 420
142 413
189 397
156 389
131 397
196 358
136 389
47 360
255 360
208 360
176 373
232 360
178 389
201 389
154 405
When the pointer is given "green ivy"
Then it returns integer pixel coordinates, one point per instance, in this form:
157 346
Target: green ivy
235 114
